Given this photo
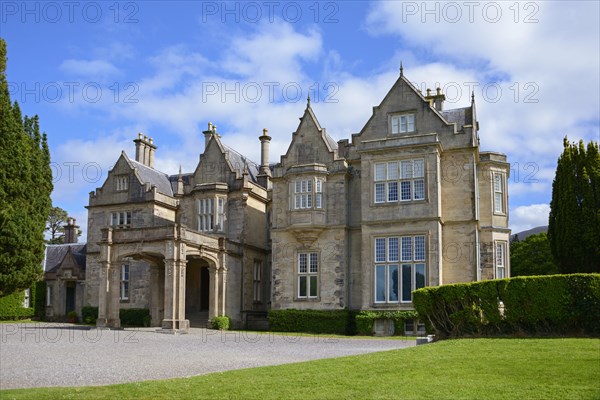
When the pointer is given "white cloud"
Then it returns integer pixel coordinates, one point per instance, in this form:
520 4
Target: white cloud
89 68
527 217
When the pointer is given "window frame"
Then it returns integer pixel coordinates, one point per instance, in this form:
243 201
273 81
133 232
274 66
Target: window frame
500 259
121 183
396 260
402 127
499 193
257 273
389 188
307 193
211 214
49 296
309 275
122 219
124 280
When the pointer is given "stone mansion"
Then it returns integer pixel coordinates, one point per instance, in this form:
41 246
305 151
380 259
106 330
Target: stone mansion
409 201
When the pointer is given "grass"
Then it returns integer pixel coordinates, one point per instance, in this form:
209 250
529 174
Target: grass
452 369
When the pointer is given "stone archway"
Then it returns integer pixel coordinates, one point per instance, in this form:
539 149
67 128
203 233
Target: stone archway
197 292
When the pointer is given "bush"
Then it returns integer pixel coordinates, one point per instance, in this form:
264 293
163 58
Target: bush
555 304
38 299
365 320
89 315
134 316
11 307
314 321
221 323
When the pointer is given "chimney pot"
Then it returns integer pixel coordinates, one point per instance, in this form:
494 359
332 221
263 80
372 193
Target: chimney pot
438 91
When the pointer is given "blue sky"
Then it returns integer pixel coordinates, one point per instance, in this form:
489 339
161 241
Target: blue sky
98 73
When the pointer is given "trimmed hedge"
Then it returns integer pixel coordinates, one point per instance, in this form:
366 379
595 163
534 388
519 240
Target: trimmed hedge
365 320
338 322
554 304
11 307
128 316
38 299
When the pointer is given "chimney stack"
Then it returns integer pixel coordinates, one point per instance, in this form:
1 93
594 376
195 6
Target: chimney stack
71 231
144 150
208 134
265 141
436 100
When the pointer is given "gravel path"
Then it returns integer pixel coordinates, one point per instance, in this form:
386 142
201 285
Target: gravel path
43 354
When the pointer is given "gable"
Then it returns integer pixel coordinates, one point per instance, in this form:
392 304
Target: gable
310 143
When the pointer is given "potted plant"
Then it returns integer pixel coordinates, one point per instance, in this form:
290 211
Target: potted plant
72 317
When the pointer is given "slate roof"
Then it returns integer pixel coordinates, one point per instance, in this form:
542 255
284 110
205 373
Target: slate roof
459 116
155 177
237 162
55 254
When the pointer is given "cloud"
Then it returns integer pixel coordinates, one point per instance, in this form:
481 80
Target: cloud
527 217
100 69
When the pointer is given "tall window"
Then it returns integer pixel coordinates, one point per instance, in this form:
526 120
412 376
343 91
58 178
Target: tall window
122 182
308 193
399 268
211 218
26 298
124 290
498 193
308 269
500 260
257 280
404 181
220 213
48 295
403 123
121 219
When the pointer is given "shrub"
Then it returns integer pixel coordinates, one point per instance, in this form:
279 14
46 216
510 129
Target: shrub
134 316
555 304
38 299
221 323
11 307
313 321
89 315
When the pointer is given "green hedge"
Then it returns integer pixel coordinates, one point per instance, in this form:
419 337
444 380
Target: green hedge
128 316
338 322
365 320
38 299
11 307
555 304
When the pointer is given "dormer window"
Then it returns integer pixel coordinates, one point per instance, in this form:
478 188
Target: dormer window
308 193
403 123
122 182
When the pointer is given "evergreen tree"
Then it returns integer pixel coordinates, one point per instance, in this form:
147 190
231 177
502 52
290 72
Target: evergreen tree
574 223
532 256
55 225
25 187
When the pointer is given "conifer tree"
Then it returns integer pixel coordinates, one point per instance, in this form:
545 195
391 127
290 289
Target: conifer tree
25 187
574 223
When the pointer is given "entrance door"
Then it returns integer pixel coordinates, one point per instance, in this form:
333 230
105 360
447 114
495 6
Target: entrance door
204 285
70 299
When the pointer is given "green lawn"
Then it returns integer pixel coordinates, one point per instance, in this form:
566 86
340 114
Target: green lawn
466 368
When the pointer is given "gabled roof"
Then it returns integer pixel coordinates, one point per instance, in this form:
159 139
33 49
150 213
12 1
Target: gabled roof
151 175
56 253
330 142
236 159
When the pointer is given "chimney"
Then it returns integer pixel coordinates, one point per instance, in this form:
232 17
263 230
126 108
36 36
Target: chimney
265 141
71 231
208 134
179 183
140 148
150 145
146 151
436 100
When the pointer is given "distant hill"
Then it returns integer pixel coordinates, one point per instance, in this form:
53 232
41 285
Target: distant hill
533 231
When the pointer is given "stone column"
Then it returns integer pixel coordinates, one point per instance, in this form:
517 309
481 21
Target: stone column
223 286
114 302
170 292
213 306
183 323
101 322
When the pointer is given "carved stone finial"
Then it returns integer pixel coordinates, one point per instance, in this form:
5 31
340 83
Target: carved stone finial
401 69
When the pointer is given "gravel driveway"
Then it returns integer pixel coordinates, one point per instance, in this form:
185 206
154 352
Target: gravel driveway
43 354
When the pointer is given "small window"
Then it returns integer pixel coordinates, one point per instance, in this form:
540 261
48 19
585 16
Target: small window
308 269
26 302
124 289
499 193
122 182
48 295
121 219
500 260
403 123
308 193
257 280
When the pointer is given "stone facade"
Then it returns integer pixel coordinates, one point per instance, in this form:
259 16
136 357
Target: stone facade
409 201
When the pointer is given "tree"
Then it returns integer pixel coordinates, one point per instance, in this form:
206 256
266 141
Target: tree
55 225
574 222
532 256
25 187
